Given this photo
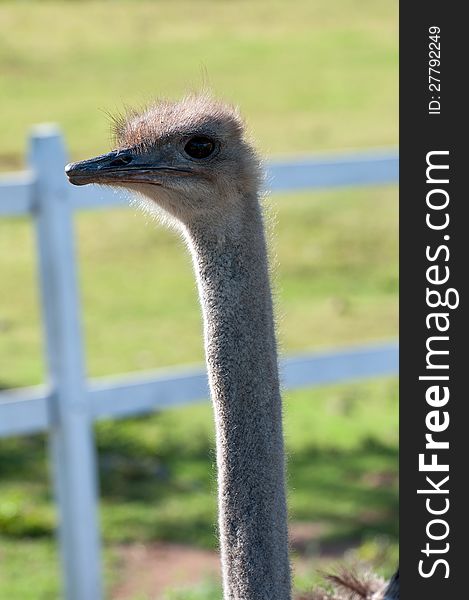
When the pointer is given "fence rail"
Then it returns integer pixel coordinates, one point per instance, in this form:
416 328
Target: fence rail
67 407
25 411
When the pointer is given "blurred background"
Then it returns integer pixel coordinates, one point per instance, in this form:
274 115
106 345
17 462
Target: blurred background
310 77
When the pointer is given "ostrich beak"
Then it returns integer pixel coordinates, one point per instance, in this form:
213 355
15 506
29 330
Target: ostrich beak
119 167
100 169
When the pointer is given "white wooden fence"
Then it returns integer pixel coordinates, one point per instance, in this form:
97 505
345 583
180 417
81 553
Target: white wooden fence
67 406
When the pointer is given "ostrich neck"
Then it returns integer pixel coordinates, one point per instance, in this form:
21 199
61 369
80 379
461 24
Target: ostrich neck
233 280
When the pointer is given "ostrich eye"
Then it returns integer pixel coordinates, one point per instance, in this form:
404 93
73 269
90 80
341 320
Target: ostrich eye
199 147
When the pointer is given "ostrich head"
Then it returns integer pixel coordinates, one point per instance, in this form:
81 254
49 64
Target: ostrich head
190 158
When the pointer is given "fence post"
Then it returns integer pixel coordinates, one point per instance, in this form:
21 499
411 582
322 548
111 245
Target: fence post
71 434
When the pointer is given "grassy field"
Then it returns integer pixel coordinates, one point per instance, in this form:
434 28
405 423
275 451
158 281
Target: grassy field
319 76
158 481
336 281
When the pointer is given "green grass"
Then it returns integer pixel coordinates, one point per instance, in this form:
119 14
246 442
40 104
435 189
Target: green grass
208 590
28 570
319 75
312 77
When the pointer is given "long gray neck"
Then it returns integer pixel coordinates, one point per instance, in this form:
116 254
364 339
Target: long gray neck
241 354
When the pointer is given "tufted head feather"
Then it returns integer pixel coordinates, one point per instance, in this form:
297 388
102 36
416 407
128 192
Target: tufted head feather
163 119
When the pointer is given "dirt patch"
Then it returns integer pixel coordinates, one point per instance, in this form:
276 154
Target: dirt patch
147 571
305 536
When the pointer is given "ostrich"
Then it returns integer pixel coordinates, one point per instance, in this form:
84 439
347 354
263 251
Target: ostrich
190 161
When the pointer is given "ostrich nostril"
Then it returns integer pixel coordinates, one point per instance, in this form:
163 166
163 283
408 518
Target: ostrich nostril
121 161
